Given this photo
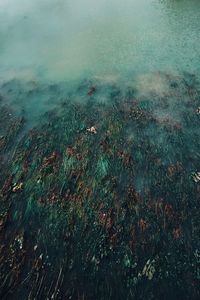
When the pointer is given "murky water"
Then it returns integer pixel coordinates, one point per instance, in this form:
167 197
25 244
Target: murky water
67 39
99 149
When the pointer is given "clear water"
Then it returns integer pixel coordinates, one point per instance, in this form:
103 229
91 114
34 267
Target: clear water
67 39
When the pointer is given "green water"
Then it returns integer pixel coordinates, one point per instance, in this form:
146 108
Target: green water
59 40
99 149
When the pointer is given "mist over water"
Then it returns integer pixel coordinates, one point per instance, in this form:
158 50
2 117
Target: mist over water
130 44
65 39
99 149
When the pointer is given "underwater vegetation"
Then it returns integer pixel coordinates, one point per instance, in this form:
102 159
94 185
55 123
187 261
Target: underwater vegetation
101 199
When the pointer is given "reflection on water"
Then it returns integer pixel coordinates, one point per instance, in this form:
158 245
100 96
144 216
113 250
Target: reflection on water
99 149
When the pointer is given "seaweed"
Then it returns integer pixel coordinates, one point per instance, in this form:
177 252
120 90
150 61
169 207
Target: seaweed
101 201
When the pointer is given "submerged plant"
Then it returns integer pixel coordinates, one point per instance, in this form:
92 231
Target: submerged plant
117 198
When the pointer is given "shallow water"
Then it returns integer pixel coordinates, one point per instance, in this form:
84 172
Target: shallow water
59 40
99 149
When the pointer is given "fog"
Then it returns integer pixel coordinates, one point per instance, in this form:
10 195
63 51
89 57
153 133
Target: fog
61 40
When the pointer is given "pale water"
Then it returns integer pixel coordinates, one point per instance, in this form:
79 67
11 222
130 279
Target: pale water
67 39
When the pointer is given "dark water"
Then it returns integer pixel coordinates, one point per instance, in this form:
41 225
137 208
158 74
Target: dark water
99 149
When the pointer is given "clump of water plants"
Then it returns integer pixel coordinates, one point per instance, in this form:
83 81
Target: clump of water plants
98 201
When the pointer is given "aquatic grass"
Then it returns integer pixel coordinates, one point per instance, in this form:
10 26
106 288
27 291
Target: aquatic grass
102 167
109 202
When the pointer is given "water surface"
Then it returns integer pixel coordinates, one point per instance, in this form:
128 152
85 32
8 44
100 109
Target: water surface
99 149
61 40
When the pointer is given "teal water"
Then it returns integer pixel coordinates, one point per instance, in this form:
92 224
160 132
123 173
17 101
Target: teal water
99 149
61 40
